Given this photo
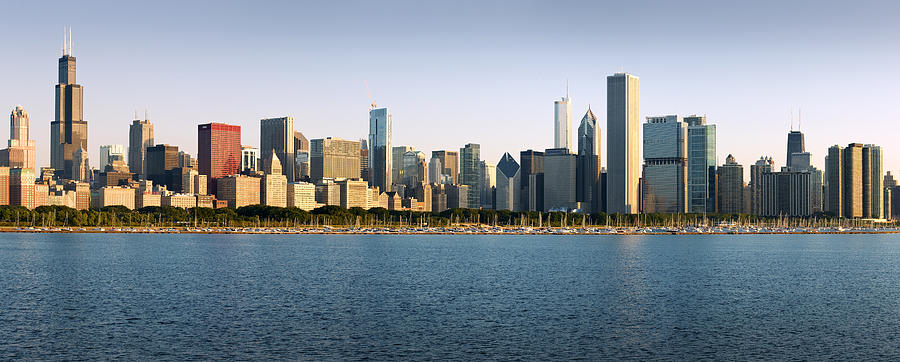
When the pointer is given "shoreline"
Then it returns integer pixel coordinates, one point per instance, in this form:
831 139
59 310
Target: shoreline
443 231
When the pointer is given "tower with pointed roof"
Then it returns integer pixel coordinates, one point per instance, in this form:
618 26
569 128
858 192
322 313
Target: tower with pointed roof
588 166
507 197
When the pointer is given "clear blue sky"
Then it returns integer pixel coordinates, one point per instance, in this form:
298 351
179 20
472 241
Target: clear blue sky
463 71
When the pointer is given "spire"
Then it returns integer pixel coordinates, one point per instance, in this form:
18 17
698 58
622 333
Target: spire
567 88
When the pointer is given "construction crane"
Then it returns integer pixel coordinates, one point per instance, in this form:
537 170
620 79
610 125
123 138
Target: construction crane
371 98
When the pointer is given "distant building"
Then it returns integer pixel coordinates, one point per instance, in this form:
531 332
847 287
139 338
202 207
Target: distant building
795 144
470 167
562 123
183 201
397 168
622 126
159 159
588 170
731 187
488 184
20 152
334 158
410 165
113 196
701 165
68 131
354 193
301 195
560 180
110 153
238 190
277 134
249 159
763 165
784 193
218 151
4 185
531 180
508 174
21 187
449 163
140 137
380 166
273 186
665 165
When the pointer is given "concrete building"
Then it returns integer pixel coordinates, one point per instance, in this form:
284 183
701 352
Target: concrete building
328 192
531 180
622 125
435 171
731 187
449 163
354 193
20 152
560 180
588 170
193 183
238 190
665 165
278 134
301 195
184 201
68 131
218 151
273 186
334 158
21 187
470 167
562 123
110 153
249 159
507 193
834 181
380 165
113 196
140 137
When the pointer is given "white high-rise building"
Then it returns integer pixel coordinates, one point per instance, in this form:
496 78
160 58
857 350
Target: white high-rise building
562 123
622 148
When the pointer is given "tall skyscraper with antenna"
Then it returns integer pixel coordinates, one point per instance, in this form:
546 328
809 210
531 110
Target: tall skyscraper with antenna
795 143
562 122
68 131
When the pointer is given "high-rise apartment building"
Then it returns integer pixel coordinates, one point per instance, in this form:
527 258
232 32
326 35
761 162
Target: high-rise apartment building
731 187
872 179
470 167
834 181
332 158
507 193
784 193
449 164
852 165
379 149
68 131
623 159
278 134
20 152
560 180
140 137
853 181
562 123
665 165
218 151
701 165
588 169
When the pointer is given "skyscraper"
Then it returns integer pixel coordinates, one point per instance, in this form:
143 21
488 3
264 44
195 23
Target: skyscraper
20 152
531 180
795 144
218 151
450 164
379 149
763 165
701 164
162 158
588 169
507 184
852 166
560 180
397 153
333 158
249 159
278 134
665 165
488 184
68 131
562 123
470 165
731 187
623 164
140 137
872 179
834 181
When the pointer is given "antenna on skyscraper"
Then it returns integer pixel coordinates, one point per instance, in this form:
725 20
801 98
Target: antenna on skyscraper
567 89
70 40
792 119
64 42
146 114
135 115
799 119
371 98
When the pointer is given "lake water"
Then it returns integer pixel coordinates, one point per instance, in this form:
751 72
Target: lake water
139 297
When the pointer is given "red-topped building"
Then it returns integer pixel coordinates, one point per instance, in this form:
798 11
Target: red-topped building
219 151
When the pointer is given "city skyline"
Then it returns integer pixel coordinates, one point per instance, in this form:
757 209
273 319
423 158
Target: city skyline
752 116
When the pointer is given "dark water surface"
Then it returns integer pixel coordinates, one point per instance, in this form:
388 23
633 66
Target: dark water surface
138 297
